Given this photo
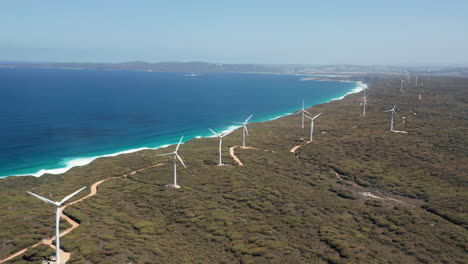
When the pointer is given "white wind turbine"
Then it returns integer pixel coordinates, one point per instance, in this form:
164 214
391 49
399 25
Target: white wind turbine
401 86
393 112
244 129
57 219
364 104
303 111
220 136
176 156
312 124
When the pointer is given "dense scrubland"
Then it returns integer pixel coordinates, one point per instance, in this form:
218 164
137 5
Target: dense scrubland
280 207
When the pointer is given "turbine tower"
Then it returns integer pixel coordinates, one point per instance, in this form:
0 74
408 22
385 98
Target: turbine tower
312 124
364 99
244 129
416 85
176 156
220 136
401 86
393 112
57 219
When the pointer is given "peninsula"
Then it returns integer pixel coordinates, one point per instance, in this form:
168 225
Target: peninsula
358 193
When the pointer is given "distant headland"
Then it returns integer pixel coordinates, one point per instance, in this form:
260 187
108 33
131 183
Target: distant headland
340 71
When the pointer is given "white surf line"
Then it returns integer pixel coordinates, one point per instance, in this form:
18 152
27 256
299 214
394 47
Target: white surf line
78 162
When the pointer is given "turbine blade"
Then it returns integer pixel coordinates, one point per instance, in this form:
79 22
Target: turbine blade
227 133
180 141
307 112
308 116
43 199
387 110
71 195
238 123
247 120
214 132
181 161
317 116
246 130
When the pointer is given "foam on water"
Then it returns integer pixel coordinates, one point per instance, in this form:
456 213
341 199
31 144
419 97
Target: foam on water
360 86
77 162
82 161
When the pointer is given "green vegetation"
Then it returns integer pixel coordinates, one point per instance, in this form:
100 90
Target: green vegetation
280 207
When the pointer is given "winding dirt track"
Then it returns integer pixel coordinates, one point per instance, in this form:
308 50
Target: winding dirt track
374 193
65 256
399 131
293 150
233 155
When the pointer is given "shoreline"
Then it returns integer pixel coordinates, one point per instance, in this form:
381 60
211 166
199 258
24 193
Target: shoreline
70 163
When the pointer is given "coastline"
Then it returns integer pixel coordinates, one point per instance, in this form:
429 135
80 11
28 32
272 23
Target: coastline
70 163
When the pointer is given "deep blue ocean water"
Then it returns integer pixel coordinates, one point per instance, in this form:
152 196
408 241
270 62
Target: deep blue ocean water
54 119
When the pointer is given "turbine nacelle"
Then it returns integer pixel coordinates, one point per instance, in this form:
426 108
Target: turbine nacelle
245 131
391 110
57 204
221 135
57 218
313 118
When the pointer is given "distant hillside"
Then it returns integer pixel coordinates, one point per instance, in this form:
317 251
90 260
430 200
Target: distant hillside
203 67
155 67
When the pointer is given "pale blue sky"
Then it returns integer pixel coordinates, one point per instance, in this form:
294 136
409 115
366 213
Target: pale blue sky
303 32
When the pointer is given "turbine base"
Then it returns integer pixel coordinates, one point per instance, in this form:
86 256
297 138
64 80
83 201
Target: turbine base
172 186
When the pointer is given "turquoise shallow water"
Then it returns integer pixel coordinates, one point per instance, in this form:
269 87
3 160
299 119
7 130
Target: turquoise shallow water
54 119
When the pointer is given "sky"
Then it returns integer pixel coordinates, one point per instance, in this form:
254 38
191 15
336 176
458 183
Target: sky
263 32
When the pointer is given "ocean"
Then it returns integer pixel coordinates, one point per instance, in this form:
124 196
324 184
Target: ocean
55 119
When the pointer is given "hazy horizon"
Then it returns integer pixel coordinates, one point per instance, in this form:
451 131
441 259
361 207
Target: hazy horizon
265 32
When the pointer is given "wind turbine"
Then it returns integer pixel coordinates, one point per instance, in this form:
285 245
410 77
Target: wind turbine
220 136
312 124
416 85
57 219
303 111
364 99
393 112
244 130
176 156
